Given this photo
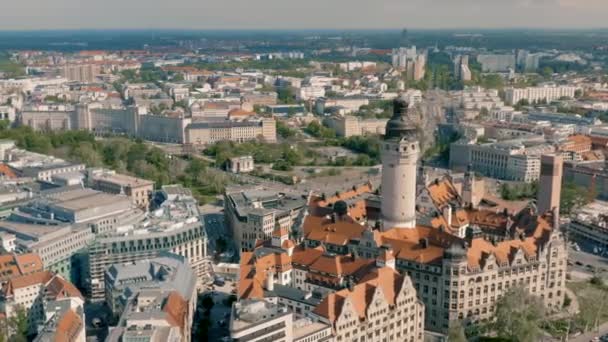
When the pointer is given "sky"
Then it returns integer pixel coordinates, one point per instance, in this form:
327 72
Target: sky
300 14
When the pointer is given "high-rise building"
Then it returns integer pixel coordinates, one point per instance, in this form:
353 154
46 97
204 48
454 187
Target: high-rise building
405 39
526 61
400 152
550 185
462 71
411 61
496 63
85 73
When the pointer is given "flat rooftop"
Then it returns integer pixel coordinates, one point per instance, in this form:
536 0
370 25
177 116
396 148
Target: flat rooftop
124 180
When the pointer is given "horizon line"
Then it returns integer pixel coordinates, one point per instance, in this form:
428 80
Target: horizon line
410 29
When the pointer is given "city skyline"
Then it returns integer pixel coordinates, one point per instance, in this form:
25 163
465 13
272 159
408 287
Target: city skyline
314 14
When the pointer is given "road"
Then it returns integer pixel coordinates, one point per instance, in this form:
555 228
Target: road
587 337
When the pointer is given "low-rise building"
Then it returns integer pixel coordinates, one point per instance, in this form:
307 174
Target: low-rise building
167 280
33 293
535 94
348 126
173 226
206 133
254 214
590 224
240 164
16 265
383 306
138 189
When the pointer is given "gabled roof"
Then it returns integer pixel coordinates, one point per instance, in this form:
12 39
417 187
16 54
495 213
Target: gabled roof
69 327
327 231
12 265
254 271
442 192
57 288
38 278
386 279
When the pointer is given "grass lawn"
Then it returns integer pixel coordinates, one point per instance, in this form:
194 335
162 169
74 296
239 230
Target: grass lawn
9 67
593 303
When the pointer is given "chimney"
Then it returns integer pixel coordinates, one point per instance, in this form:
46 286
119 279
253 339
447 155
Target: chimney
424 243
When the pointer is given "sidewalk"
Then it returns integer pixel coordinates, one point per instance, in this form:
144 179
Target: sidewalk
603 330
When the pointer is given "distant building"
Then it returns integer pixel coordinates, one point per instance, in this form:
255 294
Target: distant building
259 99
496 63
461 68
240 164
348 104
205 133
348 126
309 93
527 62
535 94
509 160
411 61
85 73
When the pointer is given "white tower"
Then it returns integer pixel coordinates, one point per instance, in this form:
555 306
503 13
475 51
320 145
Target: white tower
399 157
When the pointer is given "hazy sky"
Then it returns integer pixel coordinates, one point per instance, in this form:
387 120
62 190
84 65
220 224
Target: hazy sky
300 14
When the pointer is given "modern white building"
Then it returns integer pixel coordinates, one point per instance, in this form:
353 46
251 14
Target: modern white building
545 93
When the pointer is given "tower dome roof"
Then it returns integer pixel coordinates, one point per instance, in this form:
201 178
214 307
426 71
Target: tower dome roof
400 124
341 208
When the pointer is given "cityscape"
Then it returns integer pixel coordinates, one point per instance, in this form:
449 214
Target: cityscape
439 180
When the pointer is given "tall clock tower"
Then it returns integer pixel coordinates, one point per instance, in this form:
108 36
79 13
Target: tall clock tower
400 151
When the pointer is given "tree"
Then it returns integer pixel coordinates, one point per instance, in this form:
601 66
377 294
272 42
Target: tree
18 324
456 333
547 72
284 130
574 197
519 316
285 95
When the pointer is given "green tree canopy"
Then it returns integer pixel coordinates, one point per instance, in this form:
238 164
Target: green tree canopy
519 316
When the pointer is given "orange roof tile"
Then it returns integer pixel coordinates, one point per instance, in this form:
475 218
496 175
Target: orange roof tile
7 171
13 283
327 231
58 288
176 309
12 265
442 192
68 327
349 194
254 272
361 295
